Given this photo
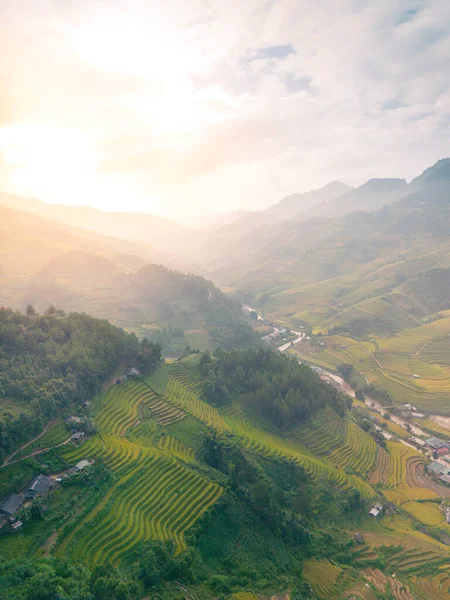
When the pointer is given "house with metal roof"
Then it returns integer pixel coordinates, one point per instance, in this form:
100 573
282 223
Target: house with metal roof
376 510
10 505
442 451
38 486
78 437
436 468
445 479
17 525
132 372
82 465
435 443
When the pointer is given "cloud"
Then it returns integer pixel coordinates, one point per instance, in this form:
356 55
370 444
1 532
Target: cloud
237 102
271 52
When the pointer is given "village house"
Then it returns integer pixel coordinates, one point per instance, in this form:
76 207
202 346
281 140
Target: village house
78 467
82 464
417 442
17 525
441 451
132 372
73 420
435 443
40 485
10 505
436 468
445 479
376 510
78 437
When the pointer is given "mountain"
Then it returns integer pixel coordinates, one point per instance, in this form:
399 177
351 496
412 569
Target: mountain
214 221
437 173
145 227
327 266
241 237
44 263
252 232
370 196
297 204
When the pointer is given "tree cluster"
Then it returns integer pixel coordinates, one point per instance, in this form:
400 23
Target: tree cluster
53 360
269 383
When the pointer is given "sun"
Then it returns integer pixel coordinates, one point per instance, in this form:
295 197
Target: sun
44 160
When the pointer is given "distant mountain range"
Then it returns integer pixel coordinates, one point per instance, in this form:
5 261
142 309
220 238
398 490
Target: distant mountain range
150 228
387 233
327 272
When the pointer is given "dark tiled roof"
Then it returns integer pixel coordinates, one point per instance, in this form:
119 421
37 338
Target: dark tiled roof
11 504
40 484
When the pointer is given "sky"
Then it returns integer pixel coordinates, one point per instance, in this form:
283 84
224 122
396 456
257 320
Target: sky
186 107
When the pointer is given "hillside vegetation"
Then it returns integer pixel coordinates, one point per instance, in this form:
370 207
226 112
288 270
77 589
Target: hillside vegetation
223 472
43 263
375 282
51 361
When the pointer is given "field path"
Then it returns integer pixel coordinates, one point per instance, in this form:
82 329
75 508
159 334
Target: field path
8 459
425 345
186 591
430 342
377 361
40 451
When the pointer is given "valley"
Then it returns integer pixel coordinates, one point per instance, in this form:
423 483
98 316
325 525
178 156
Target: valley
295 443
150 484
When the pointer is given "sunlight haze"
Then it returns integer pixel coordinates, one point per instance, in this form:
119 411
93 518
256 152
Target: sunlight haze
189 108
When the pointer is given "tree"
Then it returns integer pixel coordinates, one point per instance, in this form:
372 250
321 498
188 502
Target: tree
149 356
148 571
36 508
31 312
42 587
346 371
26 513
359 394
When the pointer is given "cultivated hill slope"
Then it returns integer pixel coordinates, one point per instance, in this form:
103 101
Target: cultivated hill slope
203 476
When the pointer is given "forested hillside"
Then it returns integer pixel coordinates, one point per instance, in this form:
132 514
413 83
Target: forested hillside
43 263
51 361
270 385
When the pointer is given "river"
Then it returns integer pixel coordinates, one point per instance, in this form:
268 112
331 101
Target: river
373 404
345 387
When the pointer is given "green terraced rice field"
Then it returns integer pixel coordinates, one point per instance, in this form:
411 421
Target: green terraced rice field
154 496
160 501
391 363
321 576
262 442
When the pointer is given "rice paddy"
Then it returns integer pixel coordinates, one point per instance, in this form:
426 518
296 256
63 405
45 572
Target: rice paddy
321 576
413 366
156 493
155 497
